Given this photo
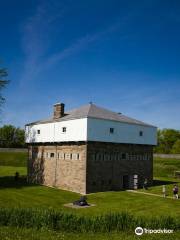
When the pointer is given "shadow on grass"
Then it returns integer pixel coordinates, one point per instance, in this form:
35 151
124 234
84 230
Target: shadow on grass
10 182
161 182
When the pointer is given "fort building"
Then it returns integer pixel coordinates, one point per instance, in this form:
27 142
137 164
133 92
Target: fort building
90 149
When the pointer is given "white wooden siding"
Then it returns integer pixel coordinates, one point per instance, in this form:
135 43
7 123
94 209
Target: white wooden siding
99 130
76 130
91 129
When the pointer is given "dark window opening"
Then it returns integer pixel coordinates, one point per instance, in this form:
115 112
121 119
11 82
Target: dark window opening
141 133
38 131
78 156
51 155
71 156
123 156
64 129
111 130
102 182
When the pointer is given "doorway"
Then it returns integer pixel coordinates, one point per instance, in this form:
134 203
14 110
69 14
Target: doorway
125 182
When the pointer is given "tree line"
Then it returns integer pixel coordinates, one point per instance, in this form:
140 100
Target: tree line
12 137
168 141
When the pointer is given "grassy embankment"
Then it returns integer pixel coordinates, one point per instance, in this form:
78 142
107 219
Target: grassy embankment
23 195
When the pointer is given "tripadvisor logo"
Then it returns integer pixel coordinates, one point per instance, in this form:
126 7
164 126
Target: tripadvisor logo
139 231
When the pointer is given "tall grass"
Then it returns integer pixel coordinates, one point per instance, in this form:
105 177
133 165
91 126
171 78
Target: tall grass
61 221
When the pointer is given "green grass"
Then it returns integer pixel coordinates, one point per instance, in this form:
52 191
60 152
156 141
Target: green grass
25 196
16 159
10 171
164 175
11 233
165 168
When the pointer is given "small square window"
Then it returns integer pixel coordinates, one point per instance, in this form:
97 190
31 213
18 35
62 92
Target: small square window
38 131
64 129
51 155
140 133
111 130
123 156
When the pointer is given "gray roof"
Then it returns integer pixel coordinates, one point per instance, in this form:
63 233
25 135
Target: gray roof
93 111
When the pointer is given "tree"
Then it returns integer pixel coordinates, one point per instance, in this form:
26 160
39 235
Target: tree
3 82
166 140
11 136
176 147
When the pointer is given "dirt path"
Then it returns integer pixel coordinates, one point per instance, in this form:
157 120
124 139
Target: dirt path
150 194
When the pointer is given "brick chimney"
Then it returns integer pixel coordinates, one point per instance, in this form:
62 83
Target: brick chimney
58 110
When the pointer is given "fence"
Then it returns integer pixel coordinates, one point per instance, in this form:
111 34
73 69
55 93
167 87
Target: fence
159 155
13 150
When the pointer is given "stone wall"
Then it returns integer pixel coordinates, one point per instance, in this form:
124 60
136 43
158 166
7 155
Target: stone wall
90 167
62 166
107 163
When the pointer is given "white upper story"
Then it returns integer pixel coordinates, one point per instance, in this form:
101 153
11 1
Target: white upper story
90 123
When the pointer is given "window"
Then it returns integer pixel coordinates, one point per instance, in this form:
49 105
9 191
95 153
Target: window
111 130
123 156
38 131
64 129
78 156
140 133
51 155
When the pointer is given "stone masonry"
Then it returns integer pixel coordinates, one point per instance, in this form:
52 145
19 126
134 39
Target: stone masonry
58 166
86 167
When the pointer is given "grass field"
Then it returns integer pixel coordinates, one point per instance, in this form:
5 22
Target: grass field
7 233
24 195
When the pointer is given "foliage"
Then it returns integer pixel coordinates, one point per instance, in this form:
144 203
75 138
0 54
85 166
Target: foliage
176 147
69 222
3 82
11 136
167 138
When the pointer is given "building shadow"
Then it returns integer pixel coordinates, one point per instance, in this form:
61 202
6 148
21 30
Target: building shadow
10 182
161 182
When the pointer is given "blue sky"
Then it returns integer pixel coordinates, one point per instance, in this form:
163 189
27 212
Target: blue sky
122 55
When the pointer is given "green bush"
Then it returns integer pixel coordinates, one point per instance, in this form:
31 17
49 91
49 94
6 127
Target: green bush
60 221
